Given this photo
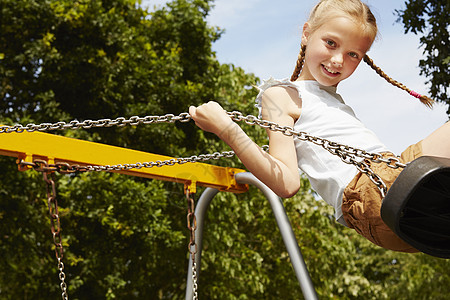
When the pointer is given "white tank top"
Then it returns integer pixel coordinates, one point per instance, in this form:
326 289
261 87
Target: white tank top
324 114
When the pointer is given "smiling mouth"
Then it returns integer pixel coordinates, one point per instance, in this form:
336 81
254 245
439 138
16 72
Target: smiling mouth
329 71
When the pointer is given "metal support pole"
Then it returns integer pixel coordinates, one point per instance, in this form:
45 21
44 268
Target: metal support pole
287 233
283 224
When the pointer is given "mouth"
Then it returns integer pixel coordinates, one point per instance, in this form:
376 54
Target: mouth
329 71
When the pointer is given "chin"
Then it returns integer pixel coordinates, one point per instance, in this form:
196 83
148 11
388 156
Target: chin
329 82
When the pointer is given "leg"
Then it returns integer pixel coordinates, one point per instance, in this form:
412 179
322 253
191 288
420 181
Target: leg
438 143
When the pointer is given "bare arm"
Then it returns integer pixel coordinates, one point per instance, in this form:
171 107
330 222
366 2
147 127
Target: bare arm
278 168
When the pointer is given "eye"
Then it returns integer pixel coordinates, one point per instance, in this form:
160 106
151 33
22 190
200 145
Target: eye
331 43
353 54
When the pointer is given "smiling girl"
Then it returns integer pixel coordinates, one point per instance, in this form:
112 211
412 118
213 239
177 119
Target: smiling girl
334 41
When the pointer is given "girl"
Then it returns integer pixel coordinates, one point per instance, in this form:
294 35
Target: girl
334 41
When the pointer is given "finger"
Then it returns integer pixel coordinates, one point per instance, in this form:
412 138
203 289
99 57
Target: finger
192 111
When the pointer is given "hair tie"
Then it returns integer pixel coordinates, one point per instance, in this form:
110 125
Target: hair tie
415 94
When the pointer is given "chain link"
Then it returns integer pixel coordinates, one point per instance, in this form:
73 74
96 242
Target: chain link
333 147
192 226
87 124
347 154
55 224
66 168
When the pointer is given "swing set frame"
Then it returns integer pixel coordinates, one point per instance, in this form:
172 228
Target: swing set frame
49 153
53 150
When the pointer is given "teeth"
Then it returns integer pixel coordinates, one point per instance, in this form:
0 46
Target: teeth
329 70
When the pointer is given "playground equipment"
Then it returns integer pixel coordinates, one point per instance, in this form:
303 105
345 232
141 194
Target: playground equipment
50 153
60 152
283 225
416 208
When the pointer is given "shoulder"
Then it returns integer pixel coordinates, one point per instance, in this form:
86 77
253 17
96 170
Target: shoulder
281 91
281 100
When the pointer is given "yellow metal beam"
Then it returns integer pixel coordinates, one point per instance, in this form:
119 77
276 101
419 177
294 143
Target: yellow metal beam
28 146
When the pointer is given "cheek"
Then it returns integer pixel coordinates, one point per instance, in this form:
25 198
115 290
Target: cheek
315 55
349 70
351 65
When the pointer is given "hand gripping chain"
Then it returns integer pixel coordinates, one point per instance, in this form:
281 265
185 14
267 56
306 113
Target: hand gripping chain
347 154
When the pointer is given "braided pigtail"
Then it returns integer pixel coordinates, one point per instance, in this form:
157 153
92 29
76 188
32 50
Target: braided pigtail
424 99
299 65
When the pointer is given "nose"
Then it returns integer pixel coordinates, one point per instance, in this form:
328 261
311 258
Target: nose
337 59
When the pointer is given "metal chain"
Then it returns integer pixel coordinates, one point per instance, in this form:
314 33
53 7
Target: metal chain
66 168
55 226
333 147
347 154
87 124
192 226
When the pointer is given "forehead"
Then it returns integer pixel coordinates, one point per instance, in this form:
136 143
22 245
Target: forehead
348 32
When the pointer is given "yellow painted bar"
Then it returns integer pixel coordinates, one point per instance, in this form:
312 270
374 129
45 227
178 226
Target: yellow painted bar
53 148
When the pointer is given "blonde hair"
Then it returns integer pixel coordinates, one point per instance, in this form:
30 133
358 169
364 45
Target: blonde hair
361 14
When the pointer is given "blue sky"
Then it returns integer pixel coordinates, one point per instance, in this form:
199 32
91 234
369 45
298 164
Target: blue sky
263 36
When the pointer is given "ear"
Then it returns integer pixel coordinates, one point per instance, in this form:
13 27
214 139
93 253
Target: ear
306 33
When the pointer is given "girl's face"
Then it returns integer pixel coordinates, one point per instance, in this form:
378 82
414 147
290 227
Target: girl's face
334 50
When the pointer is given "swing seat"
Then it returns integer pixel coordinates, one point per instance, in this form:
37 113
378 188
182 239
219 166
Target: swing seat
417 206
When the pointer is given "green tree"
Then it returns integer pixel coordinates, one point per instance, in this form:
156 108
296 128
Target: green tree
125 237
64 60
429 19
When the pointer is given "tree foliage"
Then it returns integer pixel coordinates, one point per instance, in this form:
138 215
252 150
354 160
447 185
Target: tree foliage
429 19
126 237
